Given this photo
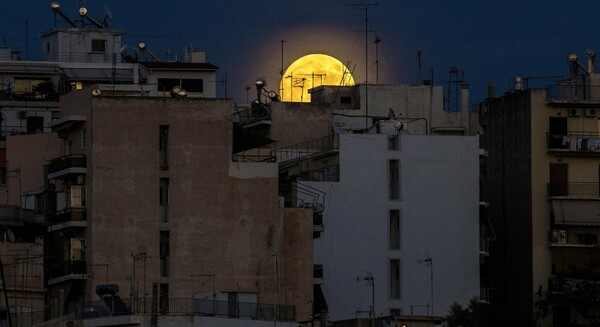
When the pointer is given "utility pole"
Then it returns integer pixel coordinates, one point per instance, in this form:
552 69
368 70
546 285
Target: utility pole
377 40
366 7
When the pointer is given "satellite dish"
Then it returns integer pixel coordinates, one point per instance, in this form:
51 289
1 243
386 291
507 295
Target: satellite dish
108 13
96 92
397 124
124 50
142 46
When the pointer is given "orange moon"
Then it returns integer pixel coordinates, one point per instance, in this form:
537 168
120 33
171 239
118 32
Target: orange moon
311 71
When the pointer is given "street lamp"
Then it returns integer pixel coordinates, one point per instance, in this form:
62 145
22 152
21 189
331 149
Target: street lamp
429 261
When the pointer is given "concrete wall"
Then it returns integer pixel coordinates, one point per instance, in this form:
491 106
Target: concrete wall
27 155
439 214
220 223
294 123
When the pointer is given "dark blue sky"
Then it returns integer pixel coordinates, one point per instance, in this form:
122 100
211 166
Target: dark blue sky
490 40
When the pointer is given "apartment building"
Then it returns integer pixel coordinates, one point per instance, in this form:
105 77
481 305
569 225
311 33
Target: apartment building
392 203
145 200
542 187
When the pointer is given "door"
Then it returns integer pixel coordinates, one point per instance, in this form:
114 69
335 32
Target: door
559 179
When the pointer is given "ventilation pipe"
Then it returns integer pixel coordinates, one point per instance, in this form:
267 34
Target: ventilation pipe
591 65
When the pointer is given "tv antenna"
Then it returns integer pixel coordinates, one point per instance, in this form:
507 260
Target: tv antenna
366 7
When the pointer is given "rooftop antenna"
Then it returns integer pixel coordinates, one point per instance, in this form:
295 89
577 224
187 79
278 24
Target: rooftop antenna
377 40
366 7
419 53
107 15
281 71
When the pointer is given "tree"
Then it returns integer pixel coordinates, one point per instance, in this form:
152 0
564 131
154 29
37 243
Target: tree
471 316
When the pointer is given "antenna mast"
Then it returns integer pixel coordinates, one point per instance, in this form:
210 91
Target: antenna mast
366 7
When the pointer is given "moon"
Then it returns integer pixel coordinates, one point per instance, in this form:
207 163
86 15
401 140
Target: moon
311 71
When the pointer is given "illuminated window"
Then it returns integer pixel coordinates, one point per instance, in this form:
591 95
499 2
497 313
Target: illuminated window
76 85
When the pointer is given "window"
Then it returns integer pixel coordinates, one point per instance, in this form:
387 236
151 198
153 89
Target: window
48 47
395 312
164 253
35 125
559 236
394 179
98 45
166 84
163 146
192 85
395 236
164 200
394 142
395 279
345 100
83 139
164 298
557 132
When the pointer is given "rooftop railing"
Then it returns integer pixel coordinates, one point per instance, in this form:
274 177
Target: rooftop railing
208 307
577 92
300 150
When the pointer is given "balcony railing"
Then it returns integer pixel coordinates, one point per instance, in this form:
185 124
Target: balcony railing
573 190
308 148
66 215
208 307
66 268
65 162
579 142
573 93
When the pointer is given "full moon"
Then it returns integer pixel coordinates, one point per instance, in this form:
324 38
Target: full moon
311 71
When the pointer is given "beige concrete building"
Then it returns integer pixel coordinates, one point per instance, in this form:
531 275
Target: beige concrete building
145 195
542 174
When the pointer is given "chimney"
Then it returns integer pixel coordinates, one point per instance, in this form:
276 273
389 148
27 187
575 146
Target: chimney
490 90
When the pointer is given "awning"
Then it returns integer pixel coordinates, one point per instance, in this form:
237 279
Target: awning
576 212
30 68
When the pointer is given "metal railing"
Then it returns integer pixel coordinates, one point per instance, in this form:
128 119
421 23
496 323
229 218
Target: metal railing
308 148
65 215
208 307
573 190
65 162
577 92
581 142
247 116
73 267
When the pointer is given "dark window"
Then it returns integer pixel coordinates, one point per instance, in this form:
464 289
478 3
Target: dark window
164 298
98 45
164 253
395 278
163 146
557 132
48 47
164 200
35 125
193 85
166 84
345 100
395 237
394 179
394 142
559 179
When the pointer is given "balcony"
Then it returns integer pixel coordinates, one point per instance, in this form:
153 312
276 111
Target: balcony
574 237
67 270
574 143
575 290
67 218
318 274
573 94
573 190
73 164
310 148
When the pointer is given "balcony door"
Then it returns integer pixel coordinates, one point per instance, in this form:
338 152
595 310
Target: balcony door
559 178
557 131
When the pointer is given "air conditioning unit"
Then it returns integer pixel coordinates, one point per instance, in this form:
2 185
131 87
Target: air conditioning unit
573 113
22 114
591 112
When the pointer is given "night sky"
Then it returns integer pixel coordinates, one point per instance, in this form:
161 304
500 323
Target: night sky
491 40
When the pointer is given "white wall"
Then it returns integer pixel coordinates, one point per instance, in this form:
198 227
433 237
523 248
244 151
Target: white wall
439 213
